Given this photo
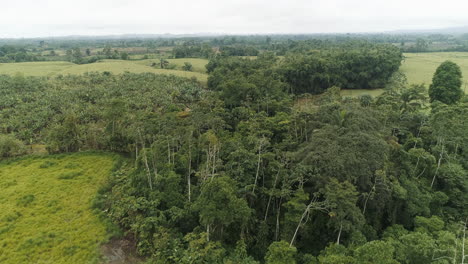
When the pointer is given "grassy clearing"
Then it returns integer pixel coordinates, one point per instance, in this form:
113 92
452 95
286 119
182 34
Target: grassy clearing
35 68
45 214
420 67
114 66
121 66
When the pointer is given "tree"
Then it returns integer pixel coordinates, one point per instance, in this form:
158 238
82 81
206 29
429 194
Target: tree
414 248
335 254
421 45
375 252
200 251
345 215
446 84
280 252
65 136
240 256
88 52
124 55
163 63
69 54
219 206
77 56
107 52
187 66
10 146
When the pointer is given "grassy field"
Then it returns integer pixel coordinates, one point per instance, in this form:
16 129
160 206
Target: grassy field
35 68
420 67
45 213
114 66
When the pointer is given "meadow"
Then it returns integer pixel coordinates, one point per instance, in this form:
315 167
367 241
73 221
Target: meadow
420 67
45 205
114 66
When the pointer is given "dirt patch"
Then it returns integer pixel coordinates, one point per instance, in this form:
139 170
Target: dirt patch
120 251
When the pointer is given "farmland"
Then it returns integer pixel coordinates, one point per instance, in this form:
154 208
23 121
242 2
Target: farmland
46 208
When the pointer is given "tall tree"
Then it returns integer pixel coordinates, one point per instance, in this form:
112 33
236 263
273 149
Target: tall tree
280 252
446 84
219 206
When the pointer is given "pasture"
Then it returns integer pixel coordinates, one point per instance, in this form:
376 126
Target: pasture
114 66
46 68
45 208
420 67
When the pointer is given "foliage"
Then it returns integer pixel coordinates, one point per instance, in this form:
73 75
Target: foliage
187 66
280 252
10 146
446 84
358 66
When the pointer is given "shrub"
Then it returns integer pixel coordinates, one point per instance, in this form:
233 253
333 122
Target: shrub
11 147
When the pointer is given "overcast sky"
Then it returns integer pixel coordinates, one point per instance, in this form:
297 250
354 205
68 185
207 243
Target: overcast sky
40 18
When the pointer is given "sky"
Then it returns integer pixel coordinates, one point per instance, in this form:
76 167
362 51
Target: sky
43 18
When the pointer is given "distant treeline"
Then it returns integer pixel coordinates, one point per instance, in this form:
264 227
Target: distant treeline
10 53
15 50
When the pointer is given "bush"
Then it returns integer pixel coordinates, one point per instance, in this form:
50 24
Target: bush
187 66
11 147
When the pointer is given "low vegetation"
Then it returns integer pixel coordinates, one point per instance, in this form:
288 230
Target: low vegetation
46 213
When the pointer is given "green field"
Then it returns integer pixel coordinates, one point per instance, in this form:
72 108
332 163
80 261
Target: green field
420 67
114 66
45 208
47 68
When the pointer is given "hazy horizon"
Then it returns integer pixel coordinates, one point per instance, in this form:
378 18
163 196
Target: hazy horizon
53 18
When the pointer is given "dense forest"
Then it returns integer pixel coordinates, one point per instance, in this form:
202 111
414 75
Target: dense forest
267 163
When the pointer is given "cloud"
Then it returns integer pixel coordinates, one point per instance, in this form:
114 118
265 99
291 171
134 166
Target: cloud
33 18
